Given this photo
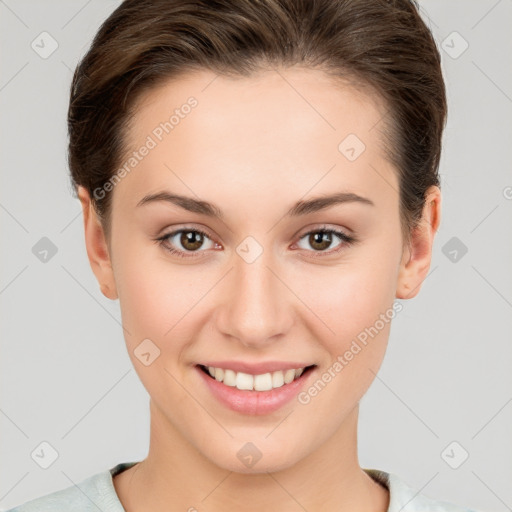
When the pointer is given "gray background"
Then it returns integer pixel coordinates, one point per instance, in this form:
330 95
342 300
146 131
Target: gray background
66 378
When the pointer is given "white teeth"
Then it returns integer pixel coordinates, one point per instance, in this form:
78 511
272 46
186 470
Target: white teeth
289 376
263 382
219 373
277 379
246 381
229 378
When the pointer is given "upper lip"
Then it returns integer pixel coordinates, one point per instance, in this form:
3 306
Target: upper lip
256 368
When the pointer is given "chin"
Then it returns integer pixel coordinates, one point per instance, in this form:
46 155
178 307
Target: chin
251 458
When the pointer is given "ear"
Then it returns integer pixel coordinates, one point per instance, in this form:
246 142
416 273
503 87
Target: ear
97 248
417 256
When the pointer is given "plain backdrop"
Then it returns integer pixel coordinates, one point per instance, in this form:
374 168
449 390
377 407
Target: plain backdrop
439 413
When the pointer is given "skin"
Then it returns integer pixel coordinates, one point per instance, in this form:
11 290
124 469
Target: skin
254 147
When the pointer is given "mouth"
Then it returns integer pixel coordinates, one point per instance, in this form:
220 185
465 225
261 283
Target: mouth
254 394
256 382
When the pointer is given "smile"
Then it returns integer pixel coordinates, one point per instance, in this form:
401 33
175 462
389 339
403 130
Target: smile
254 394
246 381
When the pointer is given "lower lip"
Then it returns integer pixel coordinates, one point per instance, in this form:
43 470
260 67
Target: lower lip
254 402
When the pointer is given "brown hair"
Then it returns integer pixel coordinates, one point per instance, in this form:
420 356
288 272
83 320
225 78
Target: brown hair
380 45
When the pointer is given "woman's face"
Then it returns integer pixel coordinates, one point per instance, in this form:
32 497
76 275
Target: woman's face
263 284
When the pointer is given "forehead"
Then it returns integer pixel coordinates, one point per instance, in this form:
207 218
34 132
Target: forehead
286 128
281 101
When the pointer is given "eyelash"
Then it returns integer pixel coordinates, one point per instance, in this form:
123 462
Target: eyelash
346 239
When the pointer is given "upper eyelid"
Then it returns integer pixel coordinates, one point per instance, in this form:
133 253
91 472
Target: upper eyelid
321 227
305 231
173 232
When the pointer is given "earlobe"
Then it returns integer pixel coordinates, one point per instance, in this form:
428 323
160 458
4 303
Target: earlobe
417 257
105 290
97 248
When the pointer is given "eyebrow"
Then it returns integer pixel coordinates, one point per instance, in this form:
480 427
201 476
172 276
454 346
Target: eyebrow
300 208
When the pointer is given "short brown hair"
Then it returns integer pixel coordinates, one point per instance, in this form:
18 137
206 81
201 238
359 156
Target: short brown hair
383 45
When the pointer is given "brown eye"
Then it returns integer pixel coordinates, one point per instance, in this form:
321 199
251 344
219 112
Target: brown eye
191 240
184 242
320 240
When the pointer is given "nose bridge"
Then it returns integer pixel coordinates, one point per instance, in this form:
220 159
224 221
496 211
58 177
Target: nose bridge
255 311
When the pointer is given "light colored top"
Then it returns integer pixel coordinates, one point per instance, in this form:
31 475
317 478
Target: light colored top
98 493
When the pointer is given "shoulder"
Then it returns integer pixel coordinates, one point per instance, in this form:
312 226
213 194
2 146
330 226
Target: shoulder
404 498
95 493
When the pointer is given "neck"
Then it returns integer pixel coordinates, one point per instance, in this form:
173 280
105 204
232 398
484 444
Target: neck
176 474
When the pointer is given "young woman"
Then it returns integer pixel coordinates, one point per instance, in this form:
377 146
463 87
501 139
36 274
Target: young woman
259 184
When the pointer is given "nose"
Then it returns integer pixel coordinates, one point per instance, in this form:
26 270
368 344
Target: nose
257 309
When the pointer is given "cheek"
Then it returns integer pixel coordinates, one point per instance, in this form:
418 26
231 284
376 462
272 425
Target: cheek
161 300
356 305
354 302
155 295
144 288
157 302
353 297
